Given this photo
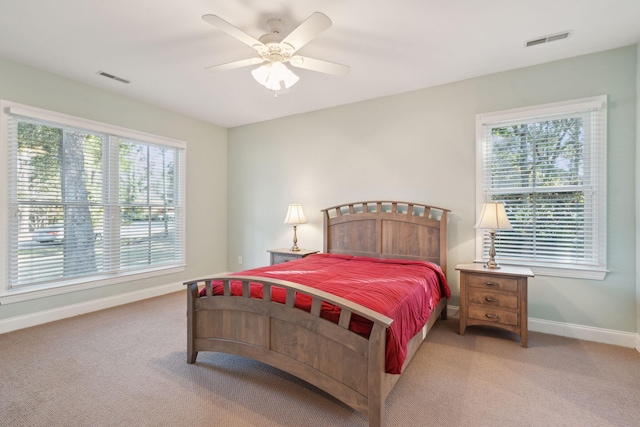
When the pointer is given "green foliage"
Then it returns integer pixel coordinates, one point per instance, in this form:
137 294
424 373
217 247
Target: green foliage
538 171
38 148
64 188
146 182
541 154
39 157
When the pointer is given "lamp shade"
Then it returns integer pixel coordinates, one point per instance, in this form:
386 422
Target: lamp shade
275 76
295 215
494 217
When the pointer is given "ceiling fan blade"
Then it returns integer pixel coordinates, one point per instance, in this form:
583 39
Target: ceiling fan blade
319 65
235 64
223 25
312 27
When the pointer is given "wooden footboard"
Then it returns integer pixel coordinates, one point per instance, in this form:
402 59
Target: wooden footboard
344 364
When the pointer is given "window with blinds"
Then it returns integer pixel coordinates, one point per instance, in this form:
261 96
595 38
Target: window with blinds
547 164
88 201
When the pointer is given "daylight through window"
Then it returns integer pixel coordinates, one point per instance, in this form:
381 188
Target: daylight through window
88 201
548 165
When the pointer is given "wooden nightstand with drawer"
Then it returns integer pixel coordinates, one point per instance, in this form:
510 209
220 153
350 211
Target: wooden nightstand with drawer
278 256
494 297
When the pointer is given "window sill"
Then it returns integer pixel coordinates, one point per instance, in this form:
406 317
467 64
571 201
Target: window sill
42 291
568 271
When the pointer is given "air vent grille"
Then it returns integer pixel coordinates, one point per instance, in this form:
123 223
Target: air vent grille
111 76
547 39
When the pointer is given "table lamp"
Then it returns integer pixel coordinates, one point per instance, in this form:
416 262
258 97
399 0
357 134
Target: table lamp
295 216
493 217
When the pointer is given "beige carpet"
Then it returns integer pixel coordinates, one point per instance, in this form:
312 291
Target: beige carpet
127 367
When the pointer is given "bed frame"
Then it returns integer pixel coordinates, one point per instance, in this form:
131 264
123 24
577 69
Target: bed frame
342 363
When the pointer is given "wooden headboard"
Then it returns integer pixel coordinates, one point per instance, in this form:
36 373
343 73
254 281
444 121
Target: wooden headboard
385 229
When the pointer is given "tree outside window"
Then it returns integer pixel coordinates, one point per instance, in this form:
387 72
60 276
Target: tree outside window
86 204
548 165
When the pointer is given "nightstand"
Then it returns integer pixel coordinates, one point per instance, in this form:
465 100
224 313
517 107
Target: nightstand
283 255
494 297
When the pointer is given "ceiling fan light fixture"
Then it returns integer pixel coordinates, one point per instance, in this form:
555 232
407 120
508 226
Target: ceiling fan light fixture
275 76
275 49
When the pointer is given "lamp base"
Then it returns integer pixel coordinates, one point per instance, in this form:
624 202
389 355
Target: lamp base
492 265
295 247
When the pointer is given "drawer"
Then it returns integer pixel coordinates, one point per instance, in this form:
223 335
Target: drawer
482 297
496 316
487 281
279 258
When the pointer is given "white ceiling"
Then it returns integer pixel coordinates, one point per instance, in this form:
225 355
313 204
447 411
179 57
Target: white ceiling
163 46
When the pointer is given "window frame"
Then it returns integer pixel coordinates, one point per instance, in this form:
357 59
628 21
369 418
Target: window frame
23 293
599 231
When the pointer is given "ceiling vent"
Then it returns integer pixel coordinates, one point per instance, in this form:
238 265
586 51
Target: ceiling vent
547 39
111 76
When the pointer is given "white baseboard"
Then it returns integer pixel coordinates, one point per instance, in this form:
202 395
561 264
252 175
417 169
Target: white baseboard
587 333
34 319
452 310
59 313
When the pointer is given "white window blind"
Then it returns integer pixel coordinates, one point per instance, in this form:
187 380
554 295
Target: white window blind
89 201
547 164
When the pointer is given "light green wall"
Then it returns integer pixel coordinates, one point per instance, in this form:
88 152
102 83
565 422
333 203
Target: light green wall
638 197
420 146
206 170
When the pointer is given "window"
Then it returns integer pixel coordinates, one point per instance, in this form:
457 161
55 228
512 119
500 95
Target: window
88 203
547 164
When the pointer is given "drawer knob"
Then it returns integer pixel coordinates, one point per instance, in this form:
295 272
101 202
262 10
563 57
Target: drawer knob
491 284
489 299
492 316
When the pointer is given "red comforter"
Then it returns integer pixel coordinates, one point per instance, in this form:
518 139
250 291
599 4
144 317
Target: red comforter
406 291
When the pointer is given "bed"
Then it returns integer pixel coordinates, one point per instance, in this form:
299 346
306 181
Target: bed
224 314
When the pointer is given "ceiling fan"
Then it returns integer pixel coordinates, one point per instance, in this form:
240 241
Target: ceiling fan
275 49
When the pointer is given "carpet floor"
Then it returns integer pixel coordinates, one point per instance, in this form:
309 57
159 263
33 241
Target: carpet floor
126 366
